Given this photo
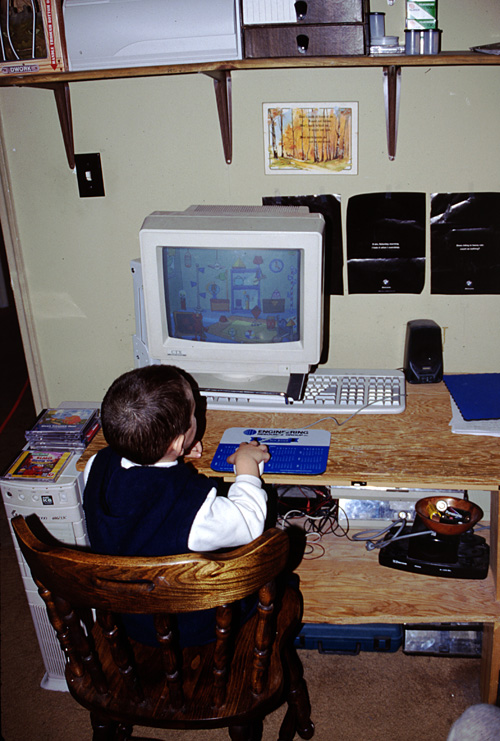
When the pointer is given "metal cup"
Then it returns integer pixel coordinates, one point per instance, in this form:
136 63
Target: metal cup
412 41
377 26
432 41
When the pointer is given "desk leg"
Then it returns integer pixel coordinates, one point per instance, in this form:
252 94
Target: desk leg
490 662
494 550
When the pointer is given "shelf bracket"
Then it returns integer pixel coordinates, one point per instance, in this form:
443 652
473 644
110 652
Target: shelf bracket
223 97
63 102
392 91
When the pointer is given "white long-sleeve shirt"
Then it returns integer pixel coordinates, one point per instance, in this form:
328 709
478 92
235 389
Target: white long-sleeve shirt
222 522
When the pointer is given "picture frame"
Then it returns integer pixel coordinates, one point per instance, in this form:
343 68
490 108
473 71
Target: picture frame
311 138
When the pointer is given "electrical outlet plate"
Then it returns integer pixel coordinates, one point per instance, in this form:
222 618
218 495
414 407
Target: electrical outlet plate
89 175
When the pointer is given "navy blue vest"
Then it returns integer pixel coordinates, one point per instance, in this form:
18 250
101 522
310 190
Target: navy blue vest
146 511
143 510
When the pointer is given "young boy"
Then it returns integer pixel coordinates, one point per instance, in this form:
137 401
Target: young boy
142 499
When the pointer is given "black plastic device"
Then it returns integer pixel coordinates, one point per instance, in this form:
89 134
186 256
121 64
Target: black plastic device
423 359
464 556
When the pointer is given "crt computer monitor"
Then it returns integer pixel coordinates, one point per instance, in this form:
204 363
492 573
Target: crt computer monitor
234 295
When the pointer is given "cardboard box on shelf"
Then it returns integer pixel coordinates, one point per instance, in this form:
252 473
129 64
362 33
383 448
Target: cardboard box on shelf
421 14
32 44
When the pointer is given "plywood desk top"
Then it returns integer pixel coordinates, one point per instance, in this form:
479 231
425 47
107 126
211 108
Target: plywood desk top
346 584
412 449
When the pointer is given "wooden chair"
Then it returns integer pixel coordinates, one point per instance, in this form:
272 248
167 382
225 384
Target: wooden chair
233 682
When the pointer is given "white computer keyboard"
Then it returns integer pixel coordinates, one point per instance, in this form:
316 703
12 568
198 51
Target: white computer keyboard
328 391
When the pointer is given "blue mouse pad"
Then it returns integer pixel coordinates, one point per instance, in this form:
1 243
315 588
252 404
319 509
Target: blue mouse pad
302 452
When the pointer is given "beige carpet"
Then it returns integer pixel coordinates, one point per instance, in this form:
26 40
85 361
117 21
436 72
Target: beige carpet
372 696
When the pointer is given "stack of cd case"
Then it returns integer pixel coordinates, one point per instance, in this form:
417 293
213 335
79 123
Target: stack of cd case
63 429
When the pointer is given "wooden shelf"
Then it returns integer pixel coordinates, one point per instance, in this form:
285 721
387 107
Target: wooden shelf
366 592
444 59
343 583
221 74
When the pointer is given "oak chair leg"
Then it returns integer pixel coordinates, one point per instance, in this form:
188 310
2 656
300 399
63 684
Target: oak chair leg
298 716
300 708
251 732
123 733
102 730
289 724
105 730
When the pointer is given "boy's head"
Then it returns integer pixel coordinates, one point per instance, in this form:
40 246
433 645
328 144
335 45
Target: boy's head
145 410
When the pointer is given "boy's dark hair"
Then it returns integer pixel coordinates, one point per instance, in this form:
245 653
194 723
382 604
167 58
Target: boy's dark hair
144 410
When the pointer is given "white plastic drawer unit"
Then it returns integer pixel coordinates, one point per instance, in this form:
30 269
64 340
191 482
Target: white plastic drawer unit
59 507
102 34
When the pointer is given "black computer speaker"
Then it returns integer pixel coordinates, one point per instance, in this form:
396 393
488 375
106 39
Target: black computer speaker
423 361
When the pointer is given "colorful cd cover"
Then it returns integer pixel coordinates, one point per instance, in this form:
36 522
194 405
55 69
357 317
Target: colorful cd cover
62 421
41 465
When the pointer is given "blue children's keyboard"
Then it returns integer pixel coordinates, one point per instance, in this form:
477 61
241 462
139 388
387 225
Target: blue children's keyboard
292 451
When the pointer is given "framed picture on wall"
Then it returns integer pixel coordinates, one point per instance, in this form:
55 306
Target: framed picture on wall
311 138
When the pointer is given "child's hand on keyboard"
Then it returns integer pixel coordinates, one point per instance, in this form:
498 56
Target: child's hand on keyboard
247 457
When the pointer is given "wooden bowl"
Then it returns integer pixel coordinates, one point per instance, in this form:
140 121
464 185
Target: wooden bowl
441 523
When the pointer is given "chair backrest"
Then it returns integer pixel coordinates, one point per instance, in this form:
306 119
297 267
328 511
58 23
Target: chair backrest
73 581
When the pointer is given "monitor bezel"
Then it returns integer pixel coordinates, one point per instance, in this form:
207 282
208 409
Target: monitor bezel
304 232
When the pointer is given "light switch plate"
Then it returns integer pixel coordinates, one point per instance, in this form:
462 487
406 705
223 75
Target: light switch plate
89 175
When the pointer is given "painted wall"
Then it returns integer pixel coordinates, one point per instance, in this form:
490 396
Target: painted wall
161 149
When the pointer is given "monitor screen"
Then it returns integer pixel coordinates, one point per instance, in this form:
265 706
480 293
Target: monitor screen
249 297
233 293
